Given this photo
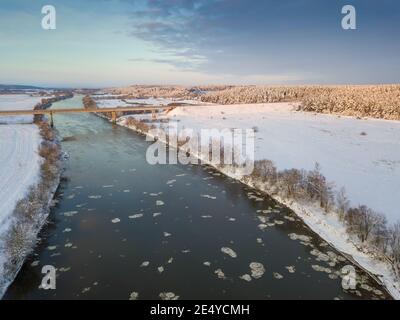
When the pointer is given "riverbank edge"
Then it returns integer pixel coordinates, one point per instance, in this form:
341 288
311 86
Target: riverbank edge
309 215
38 219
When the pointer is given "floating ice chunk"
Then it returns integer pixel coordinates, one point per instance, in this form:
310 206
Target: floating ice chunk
206 217
168 296
159 203
95 197
133 296
156 214
257 270
259 240
35 263
291 269
116 220
108 186
64 269
160 269
170 260
51 248
232 219
171 181
321 269
277 276
229 252
67 230
245 277
186 251
69 213
86 290
262 219
166 234
294 236
207 263
208 196
262 226
289 218
68 245
279 222
181 175
145 264
127 191
220 274
136 216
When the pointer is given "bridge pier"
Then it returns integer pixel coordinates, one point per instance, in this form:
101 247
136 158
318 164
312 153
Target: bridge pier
153 114
114 117
51 120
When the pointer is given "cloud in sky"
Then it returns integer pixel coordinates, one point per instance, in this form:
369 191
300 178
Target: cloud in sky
258 41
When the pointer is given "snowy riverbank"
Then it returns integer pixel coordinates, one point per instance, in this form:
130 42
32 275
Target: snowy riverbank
29 168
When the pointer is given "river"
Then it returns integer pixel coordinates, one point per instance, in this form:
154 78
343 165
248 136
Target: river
121 226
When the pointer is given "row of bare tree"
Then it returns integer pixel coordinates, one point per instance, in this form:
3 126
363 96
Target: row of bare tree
370 227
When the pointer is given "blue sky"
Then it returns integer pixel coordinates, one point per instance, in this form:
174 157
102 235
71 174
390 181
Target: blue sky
122 42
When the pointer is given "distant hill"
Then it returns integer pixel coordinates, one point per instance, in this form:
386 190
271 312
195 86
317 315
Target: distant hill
17 87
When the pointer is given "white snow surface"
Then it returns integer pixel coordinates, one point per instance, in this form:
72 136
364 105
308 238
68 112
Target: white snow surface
367 166
17 102
19 165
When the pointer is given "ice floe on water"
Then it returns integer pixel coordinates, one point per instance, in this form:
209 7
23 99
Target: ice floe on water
245 277
134 296
156 214
220 274
291 269
208 196
170 260
69 213
277 275
160 269
186 251
35 263
116 220
155 194
95 197
145 264
303 238
207 263
232 219
109 186
66 230
171 181
136 216
166 234
257 270
51 248
68 245
321 269
206 217
168 296
159 203
229 252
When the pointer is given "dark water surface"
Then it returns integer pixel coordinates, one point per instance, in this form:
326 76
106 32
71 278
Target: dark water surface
98 246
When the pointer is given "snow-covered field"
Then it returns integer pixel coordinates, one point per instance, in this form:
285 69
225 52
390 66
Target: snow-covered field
361 155
17 102
19 165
